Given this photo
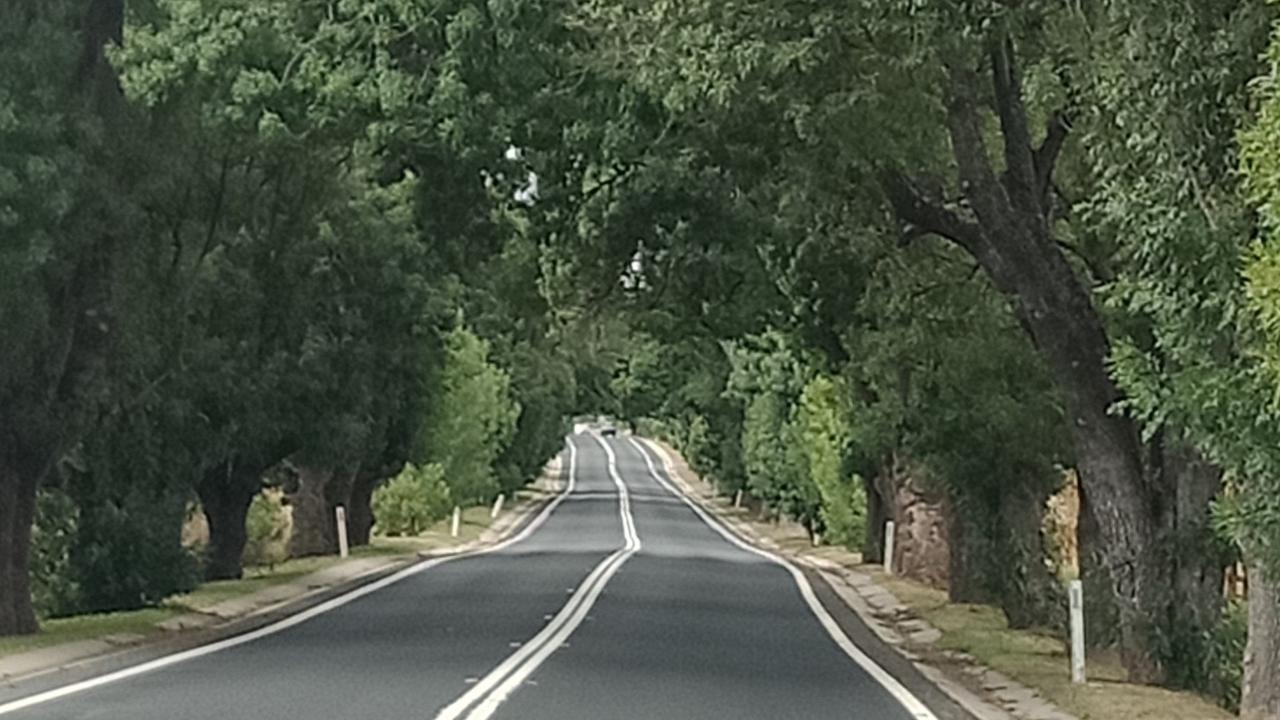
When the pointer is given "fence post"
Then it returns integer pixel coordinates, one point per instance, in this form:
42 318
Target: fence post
888 546
1075 591
497 507
457 521
341 517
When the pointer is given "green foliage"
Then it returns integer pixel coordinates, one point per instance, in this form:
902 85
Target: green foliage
472 419
54 588
767 378
1223 660
825 436
267 526
412 501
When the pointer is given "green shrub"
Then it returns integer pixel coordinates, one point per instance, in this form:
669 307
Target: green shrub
267 528
98 548
826 435
54 589
1224 659
413 501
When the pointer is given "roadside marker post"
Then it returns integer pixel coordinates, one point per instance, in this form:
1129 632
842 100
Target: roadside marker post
497 507
888 547
1075 592
457 521
341 516
737 499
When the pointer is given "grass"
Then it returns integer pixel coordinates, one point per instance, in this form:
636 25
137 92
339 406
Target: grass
144 622
88 627
1041 662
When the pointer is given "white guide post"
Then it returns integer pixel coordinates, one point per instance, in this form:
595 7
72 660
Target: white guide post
1075 591
341 514
888 546
497 507
457 521
737 499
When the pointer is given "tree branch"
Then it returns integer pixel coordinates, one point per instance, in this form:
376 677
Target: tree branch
1022 186
1046 158
927 213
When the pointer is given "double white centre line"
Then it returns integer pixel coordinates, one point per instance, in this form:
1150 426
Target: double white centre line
483 699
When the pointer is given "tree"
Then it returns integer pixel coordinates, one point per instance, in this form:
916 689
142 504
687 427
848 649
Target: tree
472 420
65 148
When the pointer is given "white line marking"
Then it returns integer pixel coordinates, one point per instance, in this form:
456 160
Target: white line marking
899 692
484 698
293 620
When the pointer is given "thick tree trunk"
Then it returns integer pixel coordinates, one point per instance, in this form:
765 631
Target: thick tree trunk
17 513
1102 625
225 499
360 509
1260 698
968 578
313 524
315 504
1029 595
872 543
1197 560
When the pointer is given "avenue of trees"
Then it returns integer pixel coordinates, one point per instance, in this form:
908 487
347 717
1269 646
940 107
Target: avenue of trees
820 247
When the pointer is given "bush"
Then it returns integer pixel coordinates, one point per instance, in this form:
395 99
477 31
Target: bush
826 435
412 501
1224 661
267 527
101 549
472 420
53 588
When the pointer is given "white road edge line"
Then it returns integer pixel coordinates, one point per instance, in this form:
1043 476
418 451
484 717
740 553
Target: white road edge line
909 702
484 698
298 619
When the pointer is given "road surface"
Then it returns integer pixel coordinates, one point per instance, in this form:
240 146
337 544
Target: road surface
619 602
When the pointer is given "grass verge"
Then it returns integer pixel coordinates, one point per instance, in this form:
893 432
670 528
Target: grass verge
1041 662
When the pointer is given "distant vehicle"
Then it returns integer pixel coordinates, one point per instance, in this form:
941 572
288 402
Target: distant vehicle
609 431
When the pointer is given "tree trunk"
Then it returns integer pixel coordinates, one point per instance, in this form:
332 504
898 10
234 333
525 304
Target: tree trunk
967 570
17 514
879 511
1101 621
1260 698
225 495
1029 594
313 524
1198 560
315 504
360 508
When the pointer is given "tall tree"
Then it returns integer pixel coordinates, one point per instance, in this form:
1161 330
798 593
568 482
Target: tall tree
66 194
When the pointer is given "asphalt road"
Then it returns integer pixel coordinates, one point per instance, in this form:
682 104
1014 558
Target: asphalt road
620 602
